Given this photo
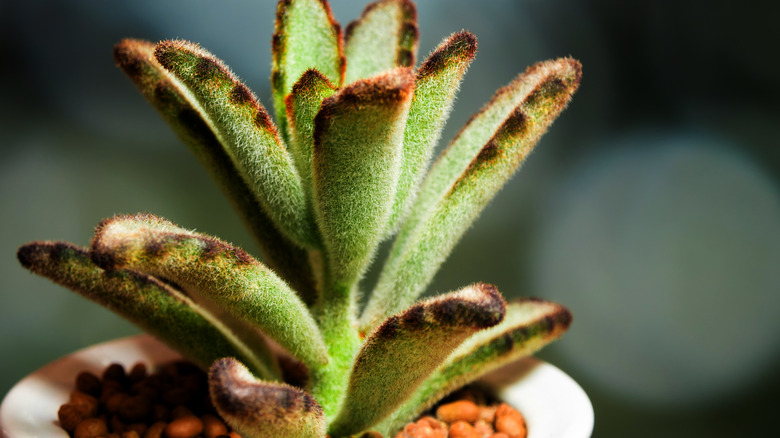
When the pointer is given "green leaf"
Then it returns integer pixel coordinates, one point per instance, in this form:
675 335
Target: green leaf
466 178
156 307
436 84
407 347
259 409
529 325
224 279
168 95
385 36
242 124
303 103
357 156
306 37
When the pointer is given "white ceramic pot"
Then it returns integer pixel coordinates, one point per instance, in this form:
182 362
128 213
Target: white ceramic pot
553 404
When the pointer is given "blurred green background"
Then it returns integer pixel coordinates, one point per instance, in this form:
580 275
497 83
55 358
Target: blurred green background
651 209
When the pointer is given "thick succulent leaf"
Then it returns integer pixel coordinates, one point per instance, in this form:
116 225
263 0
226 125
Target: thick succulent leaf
303 103
357 156
215 274
435 87
242 124
167 94
408 347
258 409
385 36
306 37
529 325
466 178
156 307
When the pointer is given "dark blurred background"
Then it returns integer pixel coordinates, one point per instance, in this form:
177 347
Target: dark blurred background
651 209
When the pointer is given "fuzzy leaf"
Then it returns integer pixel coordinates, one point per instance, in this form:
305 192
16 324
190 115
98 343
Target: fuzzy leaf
242 124
167 94
529 325
385 36
156 307
215 274
259 409
466 178
435 87
357 156
306 37
303 103
407 347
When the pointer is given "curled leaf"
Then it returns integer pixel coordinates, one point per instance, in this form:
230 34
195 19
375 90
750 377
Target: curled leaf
153 305
467 176
217 275
529 325
180 110
408 347
252 141
259 409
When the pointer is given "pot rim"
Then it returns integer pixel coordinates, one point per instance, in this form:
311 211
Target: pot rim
553 404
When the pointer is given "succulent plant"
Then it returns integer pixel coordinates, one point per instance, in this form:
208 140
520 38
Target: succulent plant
345 167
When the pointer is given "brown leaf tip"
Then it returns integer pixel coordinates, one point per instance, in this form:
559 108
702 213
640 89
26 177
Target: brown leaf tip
130 55
460 48
393 86
35 256
311 78
480 305
557 81
237 394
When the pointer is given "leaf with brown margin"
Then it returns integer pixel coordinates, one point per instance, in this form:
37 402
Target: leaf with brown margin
529 325
306 37
167 95
259 409
156 307
251 140
385 36
303 103
435 87
466 177
220 277
406 348
358 136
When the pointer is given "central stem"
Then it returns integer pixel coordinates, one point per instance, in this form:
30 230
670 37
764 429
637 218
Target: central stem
336 317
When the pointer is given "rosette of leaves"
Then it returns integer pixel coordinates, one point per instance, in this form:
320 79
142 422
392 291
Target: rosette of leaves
346 166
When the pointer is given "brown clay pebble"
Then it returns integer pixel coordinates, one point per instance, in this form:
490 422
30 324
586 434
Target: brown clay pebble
432 423
483 428
137 372
462 429
510 422
213 426
461 410
70 416
499 435
184 427
115 372
85 401
88 383
91 428
155 430
130 434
